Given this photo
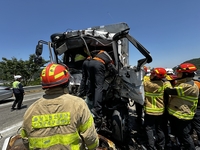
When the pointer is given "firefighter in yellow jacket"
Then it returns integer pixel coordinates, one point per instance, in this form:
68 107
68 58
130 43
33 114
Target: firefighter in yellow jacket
154 108
58 120
183 103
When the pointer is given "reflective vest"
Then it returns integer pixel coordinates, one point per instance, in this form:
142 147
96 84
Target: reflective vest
16 84
183 105
59 121
154 101
79 57
16 87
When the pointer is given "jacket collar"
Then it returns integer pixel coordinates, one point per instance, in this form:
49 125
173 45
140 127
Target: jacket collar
184 80
56 90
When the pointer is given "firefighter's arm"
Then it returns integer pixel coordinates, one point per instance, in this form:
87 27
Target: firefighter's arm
87 128
21 88
26 126
171 91
112 68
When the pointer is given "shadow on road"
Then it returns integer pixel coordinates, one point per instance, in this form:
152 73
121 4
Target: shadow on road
6 101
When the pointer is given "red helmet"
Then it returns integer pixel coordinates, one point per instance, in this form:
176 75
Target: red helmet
53 75
186 67
159 72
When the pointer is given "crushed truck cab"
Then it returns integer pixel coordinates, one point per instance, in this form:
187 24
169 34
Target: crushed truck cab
115 39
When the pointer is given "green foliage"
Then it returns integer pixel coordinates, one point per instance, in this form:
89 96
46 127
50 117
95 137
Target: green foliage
29 70
195 61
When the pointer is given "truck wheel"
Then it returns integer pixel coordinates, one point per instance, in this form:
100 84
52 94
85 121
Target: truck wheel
117 130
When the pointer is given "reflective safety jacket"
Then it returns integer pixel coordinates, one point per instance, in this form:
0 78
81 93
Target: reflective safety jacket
154 101
184 99
59 121
198 84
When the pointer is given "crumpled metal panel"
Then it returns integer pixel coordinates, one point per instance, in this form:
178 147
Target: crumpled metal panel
131 84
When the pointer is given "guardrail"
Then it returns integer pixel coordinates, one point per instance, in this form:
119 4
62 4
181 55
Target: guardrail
30 88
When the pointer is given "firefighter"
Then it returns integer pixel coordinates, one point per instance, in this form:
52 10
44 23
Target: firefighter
98 65
58 120
18 91
166 124
196 119
154 108
183 103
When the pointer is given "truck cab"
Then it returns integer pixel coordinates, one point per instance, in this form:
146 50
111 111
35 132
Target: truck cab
113 38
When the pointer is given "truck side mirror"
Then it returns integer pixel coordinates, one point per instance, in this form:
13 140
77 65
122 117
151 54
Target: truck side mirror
39 49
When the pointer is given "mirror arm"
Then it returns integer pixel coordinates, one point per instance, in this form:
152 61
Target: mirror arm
50 51
42 42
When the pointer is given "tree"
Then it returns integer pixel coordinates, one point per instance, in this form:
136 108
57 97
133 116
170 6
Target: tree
27 69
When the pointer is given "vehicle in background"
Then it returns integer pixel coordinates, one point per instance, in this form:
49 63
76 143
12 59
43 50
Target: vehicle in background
5 92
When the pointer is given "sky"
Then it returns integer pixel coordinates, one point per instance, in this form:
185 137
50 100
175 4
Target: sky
168 29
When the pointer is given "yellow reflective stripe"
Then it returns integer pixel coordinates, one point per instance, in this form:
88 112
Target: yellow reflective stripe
153 94
75 145
194 107
194 100
23 133
94 145
153 107
180 115
167 85
161 89
189 98
45 142
59 75
148 109
86 125
44 72
180 91
52 69
51 120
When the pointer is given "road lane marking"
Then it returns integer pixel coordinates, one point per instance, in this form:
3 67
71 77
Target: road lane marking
18 125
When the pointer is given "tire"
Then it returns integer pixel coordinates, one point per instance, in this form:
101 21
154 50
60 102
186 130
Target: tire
117 130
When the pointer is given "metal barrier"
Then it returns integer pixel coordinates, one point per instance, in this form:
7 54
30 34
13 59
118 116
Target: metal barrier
30 88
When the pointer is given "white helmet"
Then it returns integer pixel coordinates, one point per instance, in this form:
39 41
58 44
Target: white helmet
17 77
169 70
